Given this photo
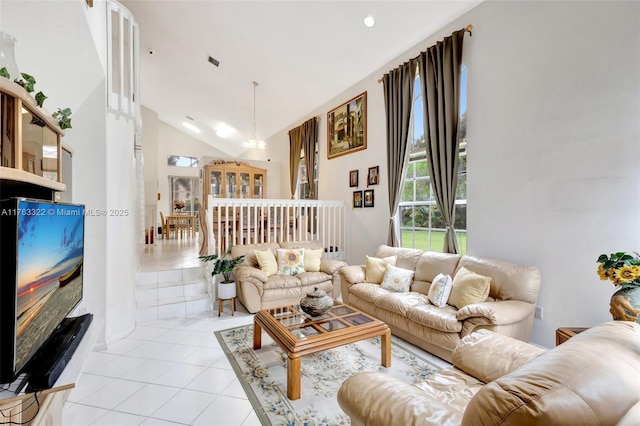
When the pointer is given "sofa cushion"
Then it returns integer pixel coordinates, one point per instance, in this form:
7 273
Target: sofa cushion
508 280
397 279
429 265
440 290
311 278
442 319
266 261
407 257
368 291
247 250
468 288
281 281
290 261
400 303
312 259
376 267
312 244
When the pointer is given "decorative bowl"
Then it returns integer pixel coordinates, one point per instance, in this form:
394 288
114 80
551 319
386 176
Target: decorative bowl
316 303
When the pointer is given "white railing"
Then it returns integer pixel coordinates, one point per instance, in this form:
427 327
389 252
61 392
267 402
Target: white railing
248 221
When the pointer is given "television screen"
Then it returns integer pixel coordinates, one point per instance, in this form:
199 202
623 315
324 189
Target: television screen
46 280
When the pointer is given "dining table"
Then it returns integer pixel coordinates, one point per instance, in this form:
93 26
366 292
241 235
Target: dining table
181 222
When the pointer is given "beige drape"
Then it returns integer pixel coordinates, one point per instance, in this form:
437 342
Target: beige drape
398 100
439 69
309 140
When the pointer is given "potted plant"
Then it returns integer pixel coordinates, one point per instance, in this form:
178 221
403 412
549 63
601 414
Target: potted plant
224 265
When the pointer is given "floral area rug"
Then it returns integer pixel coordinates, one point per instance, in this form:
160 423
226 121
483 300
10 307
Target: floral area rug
263 374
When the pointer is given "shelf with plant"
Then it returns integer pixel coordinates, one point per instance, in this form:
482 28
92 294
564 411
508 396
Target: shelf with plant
28 82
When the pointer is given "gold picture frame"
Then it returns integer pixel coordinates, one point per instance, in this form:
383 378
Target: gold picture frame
347 127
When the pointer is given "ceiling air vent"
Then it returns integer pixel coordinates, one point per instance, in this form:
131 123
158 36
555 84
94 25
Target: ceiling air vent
214 61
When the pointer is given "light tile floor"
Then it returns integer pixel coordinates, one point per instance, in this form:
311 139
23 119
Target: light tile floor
166 372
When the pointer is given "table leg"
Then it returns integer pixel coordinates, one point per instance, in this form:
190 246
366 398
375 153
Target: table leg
233 305
257 336
219 306
293 378
385 345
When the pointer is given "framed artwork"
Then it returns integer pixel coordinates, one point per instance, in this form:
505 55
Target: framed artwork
373 176
353 179
357 199
347 127
368 198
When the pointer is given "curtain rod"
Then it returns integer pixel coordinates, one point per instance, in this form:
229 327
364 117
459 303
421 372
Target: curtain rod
467 29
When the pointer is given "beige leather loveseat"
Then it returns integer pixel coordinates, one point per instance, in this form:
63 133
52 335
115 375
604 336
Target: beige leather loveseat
592 379
508 309
258 290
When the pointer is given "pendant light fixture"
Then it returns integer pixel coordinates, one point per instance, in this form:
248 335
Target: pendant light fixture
255 141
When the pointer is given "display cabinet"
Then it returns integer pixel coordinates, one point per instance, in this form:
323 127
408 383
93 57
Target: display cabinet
30 146
233 179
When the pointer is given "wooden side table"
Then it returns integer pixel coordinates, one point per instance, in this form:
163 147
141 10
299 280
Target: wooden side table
565 333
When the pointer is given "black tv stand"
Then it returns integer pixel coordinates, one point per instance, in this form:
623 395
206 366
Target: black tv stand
48 363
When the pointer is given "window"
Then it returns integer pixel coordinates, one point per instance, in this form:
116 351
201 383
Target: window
421 224
303 185
184 189
182 161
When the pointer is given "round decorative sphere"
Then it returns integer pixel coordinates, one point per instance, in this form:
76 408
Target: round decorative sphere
316 303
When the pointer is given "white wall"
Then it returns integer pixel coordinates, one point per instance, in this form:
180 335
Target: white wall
553 147
150 155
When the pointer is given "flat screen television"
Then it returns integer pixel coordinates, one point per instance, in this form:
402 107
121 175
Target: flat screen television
41 259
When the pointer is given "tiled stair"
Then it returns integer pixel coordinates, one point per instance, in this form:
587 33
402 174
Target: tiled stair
176 292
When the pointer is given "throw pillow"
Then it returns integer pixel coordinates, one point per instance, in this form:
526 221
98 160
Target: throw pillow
290 261
468 288
376 267
266 261
397 279
440 290
312 259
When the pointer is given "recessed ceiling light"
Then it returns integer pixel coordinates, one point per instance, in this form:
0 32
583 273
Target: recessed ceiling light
369 21
191 127
224 130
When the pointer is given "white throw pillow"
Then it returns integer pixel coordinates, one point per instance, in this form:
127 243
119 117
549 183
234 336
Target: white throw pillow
290 261
440 290
397 279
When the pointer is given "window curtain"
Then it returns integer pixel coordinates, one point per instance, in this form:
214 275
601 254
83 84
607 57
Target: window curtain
295 146
439 69
398 99
309 141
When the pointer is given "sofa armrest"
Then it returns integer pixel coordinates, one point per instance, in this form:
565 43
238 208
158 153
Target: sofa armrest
353 274
249 273
497 313
376 399
330 266
487 355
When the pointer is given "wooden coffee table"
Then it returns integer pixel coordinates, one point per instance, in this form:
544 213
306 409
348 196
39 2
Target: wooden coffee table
299 334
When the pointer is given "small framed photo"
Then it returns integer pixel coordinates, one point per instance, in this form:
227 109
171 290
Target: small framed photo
368 198
357 199
353 179
373 175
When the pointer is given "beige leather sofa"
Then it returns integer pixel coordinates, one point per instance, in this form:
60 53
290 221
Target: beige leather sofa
592 379
509 308
256 291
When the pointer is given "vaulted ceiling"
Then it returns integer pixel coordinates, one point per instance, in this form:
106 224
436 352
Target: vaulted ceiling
301 53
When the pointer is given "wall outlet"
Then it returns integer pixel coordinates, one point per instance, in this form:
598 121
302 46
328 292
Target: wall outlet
538 313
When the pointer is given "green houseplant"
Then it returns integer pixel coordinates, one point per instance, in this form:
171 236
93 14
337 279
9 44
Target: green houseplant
223 265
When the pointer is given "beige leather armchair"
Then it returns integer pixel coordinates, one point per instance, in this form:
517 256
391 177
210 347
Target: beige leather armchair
592 379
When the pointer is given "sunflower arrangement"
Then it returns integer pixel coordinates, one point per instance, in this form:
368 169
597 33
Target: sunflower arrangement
620 268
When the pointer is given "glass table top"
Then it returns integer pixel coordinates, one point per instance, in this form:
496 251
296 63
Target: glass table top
302 325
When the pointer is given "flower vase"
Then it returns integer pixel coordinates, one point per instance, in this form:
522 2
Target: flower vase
7 56
625 303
